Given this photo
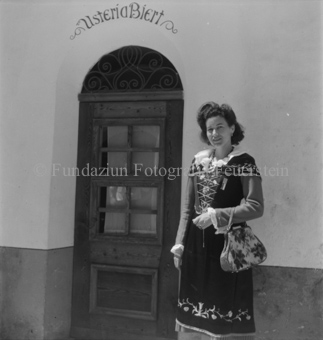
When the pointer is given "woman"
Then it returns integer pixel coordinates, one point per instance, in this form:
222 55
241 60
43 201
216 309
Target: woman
222 180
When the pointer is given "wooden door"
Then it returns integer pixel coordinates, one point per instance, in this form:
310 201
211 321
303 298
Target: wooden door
127 212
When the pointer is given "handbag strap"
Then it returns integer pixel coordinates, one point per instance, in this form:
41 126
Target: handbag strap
230 220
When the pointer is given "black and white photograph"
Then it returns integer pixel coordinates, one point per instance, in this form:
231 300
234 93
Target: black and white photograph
161 170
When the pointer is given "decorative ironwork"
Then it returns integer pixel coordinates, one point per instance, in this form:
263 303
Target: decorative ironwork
132 68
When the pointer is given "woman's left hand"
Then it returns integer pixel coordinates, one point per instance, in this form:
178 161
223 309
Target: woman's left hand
202 221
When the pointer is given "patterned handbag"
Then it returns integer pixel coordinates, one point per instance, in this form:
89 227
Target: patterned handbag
242 248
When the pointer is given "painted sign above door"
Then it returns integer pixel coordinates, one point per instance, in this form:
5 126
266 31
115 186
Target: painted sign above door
132 11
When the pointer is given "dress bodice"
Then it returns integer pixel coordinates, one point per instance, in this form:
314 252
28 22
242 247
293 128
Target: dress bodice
217 182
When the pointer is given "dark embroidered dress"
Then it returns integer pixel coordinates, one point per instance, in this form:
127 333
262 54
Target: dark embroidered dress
211 300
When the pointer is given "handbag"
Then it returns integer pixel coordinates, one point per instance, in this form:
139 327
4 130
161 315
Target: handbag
242 248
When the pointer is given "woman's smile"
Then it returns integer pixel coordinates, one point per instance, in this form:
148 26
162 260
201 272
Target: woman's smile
216 139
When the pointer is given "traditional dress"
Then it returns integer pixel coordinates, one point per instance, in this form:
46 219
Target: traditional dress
212 301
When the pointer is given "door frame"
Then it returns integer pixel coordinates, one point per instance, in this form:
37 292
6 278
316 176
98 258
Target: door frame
167 287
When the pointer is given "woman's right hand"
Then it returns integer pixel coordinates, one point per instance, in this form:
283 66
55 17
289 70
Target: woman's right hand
177 262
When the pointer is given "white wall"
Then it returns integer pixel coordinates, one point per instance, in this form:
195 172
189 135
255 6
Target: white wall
262 57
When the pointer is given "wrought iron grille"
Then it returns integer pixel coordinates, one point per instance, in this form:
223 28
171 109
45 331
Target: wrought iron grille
132 68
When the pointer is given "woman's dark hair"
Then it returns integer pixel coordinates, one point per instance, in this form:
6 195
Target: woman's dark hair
211 109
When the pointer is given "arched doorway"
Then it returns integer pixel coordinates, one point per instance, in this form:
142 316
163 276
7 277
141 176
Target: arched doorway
127 198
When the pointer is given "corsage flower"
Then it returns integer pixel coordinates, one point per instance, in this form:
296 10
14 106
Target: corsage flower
205 162
221 162
203 159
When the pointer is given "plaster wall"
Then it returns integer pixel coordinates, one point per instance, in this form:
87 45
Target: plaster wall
262 57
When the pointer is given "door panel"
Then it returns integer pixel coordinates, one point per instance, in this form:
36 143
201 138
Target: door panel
124 291
124 284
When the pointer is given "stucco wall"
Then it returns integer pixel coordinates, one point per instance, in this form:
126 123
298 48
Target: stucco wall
263 58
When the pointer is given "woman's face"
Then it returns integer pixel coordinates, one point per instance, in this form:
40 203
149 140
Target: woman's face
218 131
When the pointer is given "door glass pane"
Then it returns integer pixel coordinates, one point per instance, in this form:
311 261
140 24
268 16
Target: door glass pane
144 198
143 207
112 223
145 160
144 136
143 224
104 160
104 137
115 136
113 197
116 160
